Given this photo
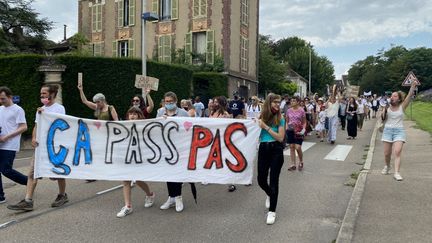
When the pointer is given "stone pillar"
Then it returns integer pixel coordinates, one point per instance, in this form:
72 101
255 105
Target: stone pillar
53 75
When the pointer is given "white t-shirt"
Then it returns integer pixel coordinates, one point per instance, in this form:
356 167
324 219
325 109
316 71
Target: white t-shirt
253 111
10 118
360 108
54 108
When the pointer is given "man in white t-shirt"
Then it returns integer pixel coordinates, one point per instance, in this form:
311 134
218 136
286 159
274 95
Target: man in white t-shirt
12 125
48 95
199 107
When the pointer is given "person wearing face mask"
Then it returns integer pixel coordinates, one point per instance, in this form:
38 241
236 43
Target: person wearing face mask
48 94
170 109
12 125
138 101
187 106
103 111
270 152
394 135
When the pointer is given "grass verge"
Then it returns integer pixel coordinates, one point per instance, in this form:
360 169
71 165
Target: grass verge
422 114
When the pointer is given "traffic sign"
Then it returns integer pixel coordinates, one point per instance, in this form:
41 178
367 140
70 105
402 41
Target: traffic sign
409 79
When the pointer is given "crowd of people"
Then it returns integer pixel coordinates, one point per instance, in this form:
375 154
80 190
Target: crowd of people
285 123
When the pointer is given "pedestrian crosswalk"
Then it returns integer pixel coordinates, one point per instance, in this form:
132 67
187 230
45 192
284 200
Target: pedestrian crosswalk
338 153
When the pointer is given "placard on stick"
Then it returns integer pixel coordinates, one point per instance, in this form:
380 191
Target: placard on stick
146 83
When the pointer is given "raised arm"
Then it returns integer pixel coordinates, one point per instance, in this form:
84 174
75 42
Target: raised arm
408 97
150 103
84 100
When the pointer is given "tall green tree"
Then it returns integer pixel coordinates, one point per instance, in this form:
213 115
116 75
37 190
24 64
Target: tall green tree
22 30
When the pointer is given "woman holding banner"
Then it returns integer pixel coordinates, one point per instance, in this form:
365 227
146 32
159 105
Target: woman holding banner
270 153
135 113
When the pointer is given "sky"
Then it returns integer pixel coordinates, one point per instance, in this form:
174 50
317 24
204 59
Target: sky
344 31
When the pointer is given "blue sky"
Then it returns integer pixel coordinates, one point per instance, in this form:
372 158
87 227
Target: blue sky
343 30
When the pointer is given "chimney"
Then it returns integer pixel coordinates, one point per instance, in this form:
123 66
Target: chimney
64 33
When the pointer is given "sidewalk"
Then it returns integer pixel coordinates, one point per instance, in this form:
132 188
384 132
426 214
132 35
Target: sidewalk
392 211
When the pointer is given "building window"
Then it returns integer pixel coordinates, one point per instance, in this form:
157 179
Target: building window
165 9
164 48
98 49
244 12
199 8
96 17
124 48
200 46
126 13
244 54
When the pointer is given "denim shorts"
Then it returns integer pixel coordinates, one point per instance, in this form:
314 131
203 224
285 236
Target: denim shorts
393 134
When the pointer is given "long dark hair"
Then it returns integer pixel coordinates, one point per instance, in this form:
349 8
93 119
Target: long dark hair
354 102
142 104
267 115
222 102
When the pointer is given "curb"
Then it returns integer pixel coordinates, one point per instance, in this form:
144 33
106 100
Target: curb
346 231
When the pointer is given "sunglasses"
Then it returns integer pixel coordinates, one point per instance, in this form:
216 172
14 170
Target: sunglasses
135 101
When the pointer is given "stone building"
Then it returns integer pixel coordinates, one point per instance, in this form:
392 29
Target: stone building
203 30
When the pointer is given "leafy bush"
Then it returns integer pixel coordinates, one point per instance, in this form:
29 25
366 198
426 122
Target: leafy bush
208 85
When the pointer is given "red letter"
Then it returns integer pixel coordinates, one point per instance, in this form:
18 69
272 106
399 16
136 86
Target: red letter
241 160
215 155
201 138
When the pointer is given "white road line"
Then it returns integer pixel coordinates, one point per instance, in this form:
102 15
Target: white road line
109 190
23 158
7 223
339 153
305 146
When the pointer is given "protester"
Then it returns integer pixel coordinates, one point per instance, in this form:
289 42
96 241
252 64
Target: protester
48 94
12 125
320 127
174 188
209 108
270 153
368 108
199 107
188 107
284 103
309 115
332 108
394 135
375 104
138 101
360 114
103 111
342 112
320 105
236 107
296 128
351 117
135 113
254 109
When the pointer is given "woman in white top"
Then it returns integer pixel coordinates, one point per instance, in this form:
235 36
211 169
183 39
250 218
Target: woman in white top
394 135
254 109
360 114
187 106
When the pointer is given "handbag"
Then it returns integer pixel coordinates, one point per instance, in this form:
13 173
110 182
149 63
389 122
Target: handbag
349 117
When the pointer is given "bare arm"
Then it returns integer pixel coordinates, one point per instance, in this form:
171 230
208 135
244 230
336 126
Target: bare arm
114 114
150 103
84 100
22 127
34 142
408 97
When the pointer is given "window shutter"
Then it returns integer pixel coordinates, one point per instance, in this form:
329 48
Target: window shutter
114 48
188 48
174 9
196 8
210 47
120 13
131 48
160 48
246 54
203 8
167 49
94 15
131 12
155 7
99 17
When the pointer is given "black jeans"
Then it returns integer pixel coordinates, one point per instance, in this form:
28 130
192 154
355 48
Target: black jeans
270 157
174 189
6 162
342 121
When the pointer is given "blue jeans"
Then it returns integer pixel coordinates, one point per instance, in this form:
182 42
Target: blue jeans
6 162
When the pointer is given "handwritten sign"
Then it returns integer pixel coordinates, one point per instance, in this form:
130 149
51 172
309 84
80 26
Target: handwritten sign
176 149
146 83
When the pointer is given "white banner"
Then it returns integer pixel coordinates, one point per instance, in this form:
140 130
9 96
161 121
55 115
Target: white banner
175 149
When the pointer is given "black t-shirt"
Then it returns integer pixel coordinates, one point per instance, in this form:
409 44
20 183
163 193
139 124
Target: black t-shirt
236 108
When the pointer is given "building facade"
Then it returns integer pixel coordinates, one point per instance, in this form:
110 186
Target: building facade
194 31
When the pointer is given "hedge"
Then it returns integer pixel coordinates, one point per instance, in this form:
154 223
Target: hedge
208 85
19 73
114 77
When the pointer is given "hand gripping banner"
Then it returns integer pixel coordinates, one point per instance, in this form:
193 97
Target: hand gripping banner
174 149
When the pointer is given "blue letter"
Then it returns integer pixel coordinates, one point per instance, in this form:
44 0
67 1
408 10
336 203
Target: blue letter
57 159
82 142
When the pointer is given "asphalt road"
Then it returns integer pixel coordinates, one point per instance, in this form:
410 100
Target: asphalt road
311 206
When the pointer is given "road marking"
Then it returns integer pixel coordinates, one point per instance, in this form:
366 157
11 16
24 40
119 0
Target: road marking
109 190
23 158
339 153
7 224
305 146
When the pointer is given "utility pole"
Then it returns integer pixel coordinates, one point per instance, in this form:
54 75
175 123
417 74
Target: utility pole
310 68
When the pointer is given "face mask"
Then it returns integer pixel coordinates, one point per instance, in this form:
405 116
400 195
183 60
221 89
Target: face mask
186 108
44 101
170 106
274 111
136 106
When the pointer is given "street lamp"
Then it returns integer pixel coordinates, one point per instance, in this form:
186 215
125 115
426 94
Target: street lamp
310 68
146 16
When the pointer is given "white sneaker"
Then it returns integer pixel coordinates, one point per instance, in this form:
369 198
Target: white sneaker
397 176
168 204
149 200
124 211
179 203
271 217
386 170
267 203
